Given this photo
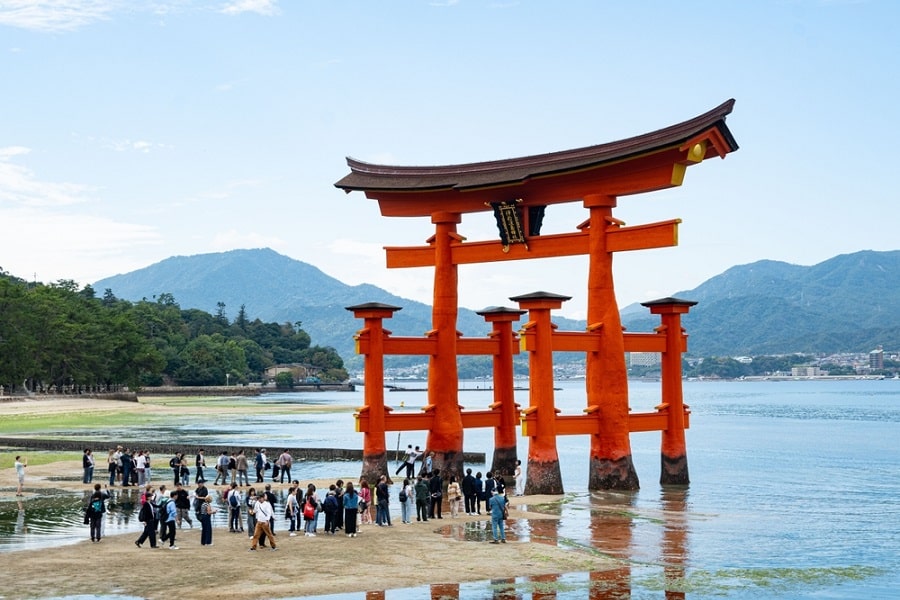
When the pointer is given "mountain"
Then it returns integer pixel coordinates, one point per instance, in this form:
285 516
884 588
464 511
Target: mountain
849 303
277 288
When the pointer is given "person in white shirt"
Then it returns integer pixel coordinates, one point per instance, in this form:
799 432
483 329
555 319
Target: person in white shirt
264 512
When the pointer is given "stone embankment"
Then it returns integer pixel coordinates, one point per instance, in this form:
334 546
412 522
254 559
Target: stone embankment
211 451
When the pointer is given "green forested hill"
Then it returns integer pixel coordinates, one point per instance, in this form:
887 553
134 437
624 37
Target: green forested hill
848 303
278 288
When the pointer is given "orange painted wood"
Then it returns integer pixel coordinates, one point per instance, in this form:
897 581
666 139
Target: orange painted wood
641 237
644 342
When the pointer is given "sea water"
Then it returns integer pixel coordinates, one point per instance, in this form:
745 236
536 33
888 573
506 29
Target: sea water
795 490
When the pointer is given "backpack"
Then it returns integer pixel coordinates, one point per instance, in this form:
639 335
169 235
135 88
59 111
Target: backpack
173 462
233 499
403 495
97 505
331 503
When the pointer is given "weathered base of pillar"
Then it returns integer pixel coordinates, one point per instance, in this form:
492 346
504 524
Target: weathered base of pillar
608 474
674 470
374 466
543 478
504 462
450 462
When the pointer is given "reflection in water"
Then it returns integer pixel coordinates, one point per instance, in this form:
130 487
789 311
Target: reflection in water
675 532
611 534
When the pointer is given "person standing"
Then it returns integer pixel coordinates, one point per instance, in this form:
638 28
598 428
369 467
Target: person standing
182 506
199 465
234 501
406 501
222 468
479 492
428 466
520 479
436 486
292 510
127 466
175 465
264 513
284 463
365 501
160 499
470 494
20 465
454 494
242 466
96 508
260 464
140 464
382 503
112 465
149 516
489 486
206 512
87 463
423 499
171 515
351 504
497 505
331 507
250 503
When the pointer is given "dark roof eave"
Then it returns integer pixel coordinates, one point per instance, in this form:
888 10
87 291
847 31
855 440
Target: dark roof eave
371 177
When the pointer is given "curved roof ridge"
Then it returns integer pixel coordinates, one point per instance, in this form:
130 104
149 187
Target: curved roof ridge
636 143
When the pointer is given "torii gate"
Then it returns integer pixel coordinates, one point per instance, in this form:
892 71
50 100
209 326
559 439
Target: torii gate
518 191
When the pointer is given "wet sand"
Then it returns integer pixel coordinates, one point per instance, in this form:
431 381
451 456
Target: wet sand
379 558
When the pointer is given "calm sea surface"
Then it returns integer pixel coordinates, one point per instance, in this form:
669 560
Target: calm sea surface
795 491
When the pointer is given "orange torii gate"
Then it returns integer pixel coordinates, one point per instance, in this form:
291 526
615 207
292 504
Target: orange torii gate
373 341
518 191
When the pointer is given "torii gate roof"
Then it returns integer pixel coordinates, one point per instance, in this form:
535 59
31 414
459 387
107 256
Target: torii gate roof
633 165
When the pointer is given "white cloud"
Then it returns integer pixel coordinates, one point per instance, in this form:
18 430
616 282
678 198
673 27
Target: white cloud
262 7
20 187
40 243
52 16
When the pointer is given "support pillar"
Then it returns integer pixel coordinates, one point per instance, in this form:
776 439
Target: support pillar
673 453
505 450
543 474
445 438
606 375
375 461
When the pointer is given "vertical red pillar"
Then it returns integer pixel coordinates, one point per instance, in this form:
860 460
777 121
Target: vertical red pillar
505 450
606 375
543 474
674 465
374 445
446 436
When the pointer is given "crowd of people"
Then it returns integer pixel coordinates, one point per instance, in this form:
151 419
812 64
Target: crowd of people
345 505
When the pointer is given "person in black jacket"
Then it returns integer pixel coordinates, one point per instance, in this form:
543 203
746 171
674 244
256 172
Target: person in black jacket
436 487
470 492
149 516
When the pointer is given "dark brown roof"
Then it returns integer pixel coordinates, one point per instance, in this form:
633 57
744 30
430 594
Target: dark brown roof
368 176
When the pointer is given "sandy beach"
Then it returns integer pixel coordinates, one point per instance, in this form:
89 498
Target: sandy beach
379 558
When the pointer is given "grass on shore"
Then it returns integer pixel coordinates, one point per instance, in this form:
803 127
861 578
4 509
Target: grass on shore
35 457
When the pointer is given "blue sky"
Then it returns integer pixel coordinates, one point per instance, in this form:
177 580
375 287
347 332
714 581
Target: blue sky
137 130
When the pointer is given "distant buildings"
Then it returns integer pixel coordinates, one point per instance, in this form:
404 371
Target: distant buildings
876 359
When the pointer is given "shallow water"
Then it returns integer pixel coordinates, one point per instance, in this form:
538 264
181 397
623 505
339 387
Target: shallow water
794 493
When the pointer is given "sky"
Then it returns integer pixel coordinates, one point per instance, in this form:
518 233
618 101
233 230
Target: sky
133 130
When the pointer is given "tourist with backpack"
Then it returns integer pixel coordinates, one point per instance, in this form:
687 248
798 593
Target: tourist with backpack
149 516
234 499
330 507
94 511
